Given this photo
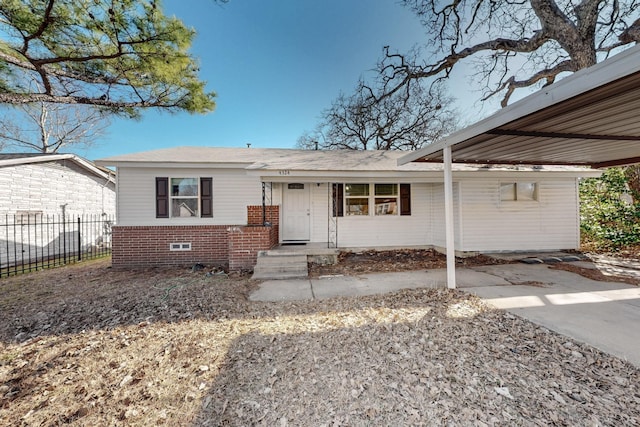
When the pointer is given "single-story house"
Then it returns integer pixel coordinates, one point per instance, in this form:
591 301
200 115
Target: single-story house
482 189
36 184
222 205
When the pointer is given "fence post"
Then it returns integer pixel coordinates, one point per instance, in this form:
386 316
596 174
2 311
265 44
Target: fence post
79 242
64 237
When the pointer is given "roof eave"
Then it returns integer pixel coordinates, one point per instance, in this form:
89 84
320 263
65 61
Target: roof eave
623 64
83 163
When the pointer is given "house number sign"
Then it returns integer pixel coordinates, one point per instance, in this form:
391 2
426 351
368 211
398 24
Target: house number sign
284 172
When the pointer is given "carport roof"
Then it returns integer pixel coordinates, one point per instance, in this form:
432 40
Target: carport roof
591 118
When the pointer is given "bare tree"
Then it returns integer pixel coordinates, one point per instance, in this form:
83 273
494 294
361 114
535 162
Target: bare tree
515 43
46 128
406 120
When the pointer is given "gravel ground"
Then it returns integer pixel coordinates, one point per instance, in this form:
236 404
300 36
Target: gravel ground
89 345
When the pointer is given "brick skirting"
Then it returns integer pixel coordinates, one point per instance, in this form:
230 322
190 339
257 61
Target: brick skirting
246 242
235 246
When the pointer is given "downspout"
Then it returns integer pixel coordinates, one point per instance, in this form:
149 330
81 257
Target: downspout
448 219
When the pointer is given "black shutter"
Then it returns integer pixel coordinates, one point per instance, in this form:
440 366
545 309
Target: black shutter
206 198
162 197
405 199
338 196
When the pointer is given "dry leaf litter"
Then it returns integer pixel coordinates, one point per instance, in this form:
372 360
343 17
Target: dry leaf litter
87 345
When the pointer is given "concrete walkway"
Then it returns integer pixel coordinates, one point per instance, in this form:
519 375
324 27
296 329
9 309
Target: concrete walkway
605 315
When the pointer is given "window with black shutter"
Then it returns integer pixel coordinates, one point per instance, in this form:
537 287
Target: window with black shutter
184 197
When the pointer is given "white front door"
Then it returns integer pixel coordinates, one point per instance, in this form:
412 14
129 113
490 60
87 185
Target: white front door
296 218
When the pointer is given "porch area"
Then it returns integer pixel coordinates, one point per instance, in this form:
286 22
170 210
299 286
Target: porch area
290 260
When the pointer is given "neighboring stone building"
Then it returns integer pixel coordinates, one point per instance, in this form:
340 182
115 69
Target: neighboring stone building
53 208
45 184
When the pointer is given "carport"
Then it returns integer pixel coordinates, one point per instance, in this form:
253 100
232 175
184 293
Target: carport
591 119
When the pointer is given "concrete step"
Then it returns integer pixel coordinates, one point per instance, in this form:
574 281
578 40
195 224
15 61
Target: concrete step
280 266
282 259
258 275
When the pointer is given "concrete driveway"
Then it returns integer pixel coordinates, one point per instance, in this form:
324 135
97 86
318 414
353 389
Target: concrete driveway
605 315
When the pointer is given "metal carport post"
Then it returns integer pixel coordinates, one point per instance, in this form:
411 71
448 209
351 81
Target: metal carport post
448 218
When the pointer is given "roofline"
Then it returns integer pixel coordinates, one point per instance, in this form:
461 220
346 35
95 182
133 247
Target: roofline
164 163
330 176
84 163
621 65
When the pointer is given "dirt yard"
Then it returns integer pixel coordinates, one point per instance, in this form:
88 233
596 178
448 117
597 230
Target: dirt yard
89 345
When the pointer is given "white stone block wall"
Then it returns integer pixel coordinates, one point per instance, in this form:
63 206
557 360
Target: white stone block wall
45 187
31 211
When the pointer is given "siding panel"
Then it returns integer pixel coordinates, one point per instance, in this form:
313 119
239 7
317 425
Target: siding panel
233 190
381 231
437 215
547 224
319 212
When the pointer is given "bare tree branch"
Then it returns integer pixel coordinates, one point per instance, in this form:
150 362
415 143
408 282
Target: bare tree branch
404 121
46 128
547 36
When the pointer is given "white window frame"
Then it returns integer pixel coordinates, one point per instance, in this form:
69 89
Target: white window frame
367 196
371 199
518 195
196 197
392 196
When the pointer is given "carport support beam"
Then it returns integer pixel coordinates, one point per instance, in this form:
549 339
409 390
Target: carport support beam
448 219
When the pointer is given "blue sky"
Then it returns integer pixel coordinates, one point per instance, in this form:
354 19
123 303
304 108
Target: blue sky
275 65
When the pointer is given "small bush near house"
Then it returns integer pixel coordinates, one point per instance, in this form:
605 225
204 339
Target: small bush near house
610 210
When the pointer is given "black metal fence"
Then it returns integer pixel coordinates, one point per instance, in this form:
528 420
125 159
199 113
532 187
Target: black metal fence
32 242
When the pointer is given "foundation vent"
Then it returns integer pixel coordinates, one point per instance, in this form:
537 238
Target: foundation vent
179 246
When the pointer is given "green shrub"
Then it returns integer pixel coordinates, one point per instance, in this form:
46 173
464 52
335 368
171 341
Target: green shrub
609 212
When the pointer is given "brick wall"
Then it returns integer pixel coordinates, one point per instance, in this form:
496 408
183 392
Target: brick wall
235 246
149 246
246 242
272 214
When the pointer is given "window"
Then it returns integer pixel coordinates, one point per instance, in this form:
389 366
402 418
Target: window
184 197
358 200
28 217
386 200
519 191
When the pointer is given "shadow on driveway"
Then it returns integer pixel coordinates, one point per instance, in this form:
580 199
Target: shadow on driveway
605 315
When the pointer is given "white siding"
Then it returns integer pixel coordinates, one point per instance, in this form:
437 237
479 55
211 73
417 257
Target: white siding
437 215
319 212
482 221
381 231
550 223
45 187
233 191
